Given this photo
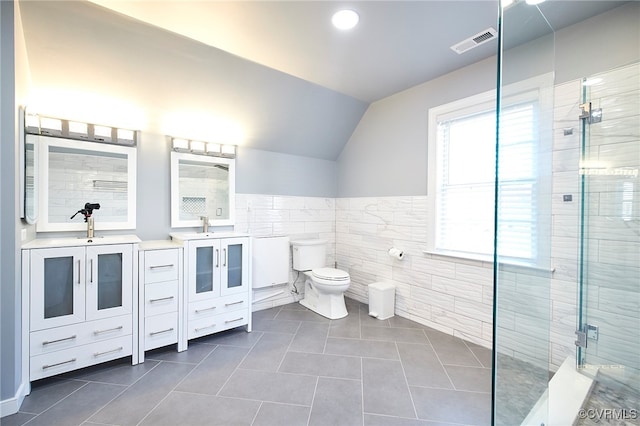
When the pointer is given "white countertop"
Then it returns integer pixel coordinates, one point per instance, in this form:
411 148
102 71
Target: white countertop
158 245
186 236
84 241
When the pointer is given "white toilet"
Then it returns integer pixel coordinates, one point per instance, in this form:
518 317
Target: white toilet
324 287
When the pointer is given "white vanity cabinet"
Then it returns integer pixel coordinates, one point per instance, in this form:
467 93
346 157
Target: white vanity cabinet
79 303
161 295
217 282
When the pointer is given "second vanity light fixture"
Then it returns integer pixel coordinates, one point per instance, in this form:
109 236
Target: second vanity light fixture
203 148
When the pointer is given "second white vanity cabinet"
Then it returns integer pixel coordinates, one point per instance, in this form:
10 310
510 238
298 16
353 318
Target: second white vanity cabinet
161 295
79 303
217 282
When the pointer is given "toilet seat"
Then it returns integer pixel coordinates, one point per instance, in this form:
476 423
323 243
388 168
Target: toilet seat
330 275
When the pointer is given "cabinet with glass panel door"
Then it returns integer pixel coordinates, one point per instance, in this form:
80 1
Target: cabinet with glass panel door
217 276
79 305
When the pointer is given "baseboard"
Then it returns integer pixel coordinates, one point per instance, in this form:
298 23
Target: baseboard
12 405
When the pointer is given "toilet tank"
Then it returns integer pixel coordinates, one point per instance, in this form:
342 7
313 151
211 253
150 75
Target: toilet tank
309 254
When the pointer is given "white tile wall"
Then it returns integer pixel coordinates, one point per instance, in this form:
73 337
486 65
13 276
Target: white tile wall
295 217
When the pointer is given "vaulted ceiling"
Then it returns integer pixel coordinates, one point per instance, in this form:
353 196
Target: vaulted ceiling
267 75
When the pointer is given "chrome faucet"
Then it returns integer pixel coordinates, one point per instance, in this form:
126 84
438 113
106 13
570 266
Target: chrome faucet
205 223
90 227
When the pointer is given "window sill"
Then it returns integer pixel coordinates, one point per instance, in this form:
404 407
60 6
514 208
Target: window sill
508 266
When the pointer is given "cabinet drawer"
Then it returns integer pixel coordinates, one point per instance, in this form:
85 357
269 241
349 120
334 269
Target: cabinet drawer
53 363
213 324
161 265
160 330
160 298
56 339
218 305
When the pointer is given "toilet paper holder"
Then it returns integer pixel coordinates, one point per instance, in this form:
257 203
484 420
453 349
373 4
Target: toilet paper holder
396 253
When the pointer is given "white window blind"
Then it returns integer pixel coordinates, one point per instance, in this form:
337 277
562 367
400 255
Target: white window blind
466 176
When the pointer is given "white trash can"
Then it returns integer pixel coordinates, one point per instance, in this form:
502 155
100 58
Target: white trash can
382 300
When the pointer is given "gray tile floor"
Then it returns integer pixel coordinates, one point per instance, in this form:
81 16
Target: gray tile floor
295 368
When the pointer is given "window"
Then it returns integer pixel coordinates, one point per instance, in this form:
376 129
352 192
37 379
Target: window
462 157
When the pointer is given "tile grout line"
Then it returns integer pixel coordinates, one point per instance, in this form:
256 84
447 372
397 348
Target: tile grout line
174 387
57 403
406 381
238 366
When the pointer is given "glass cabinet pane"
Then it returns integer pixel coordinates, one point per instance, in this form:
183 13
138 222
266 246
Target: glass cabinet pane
110 280
58 286
234 269
204 269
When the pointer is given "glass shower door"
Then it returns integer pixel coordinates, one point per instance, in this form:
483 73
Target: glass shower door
609 267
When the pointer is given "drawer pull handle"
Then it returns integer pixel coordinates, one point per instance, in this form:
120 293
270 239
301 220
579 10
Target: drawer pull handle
48 342
233 320
204 328
97 332
169 265
44 367
160 299
234 303
97 354
78 272
153 333
205 309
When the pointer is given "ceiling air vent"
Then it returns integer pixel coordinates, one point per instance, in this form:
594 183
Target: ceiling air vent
474 41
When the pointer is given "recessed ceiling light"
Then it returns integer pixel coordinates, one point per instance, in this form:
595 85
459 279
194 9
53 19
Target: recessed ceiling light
345 19
534 2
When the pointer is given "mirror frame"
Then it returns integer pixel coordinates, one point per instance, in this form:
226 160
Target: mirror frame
175 189
29 217
43 225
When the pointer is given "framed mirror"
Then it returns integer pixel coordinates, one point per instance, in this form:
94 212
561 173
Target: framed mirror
72 173
202 186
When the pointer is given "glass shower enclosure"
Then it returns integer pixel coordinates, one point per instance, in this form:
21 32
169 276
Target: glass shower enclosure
608 344
568 311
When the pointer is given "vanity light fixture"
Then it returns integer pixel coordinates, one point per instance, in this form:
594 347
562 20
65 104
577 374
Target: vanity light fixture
345 19
197 147
79 129
39 125
102 133
213 149
228 150
125 137
32 123
51 126
180 145
206 148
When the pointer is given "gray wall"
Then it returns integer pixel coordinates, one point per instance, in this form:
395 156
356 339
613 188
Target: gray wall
9 255
265 172
387 153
